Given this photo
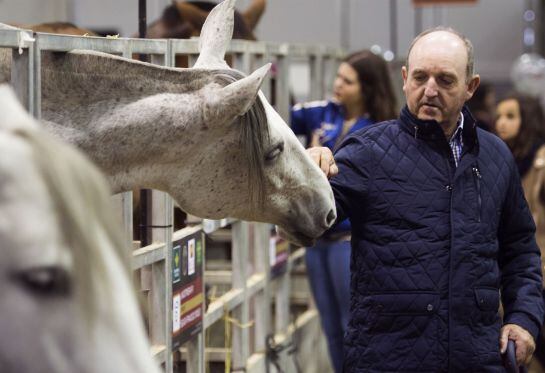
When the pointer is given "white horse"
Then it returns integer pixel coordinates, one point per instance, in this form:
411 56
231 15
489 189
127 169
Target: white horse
205 135
67 302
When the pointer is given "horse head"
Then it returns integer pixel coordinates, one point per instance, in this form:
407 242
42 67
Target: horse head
258 170
183 19
67 304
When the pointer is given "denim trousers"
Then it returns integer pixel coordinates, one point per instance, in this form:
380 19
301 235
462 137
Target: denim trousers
328 268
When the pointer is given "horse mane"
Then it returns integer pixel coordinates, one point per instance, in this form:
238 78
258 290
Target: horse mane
254 138
86 77
81 198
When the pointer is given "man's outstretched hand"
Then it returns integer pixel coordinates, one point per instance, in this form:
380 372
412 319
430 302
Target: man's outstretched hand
524 342
324 159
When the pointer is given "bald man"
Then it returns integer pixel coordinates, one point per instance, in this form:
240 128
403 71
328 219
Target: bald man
440 228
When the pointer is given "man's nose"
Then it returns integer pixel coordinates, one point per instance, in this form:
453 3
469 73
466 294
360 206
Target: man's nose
431 88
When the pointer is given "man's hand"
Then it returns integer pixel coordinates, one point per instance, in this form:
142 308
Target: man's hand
324 159
524 342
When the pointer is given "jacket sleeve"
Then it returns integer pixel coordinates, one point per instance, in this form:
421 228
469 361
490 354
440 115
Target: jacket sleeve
519 261
350 185
305 119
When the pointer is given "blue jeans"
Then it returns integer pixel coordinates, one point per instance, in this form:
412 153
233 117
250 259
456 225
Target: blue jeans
328 268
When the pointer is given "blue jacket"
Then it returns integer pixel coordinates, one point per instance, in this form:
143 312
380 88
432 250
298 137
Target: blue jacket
322 115
328 117
432 246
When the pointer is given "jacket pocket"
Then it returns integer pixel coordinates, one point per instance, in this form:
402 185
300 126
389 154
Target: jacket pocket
487 298
395 312
404 333
486 324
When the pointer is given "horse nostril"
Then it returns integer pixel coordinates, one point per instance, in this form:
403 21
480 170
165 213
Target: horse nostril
330 219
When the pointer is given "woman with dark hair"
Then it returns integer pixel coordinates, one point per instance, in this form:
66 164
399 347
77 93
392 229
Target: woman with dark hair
362 95
482 105
520 123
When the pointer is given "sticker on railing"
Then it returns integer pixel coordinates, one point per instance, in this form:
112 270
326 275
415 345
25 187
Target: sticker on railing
187 288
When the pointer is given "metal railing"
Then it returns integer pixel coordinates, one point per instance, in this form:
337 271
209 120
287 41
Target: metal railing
251 282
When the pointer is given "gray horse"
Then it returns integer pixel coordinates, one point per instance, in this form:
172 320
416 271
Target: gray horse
205 135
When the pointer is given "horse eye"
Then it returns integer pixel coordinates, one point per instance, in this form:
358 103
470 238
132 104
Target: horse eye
46 281
275 152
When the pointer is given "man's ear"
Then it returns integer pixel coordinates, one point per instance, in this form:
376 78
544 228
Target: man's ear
404 75
472 86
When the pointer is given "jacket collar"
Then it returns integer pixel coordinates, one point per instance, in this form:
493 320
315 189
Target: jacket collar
430 130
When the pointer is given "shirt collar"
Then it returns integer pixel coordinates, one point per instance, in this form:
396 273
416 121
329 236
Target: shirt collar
458 132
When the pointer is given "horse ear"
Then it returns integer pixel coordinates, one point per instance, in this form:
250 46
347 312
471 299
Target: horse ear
190 13
253 14
236 98
216 33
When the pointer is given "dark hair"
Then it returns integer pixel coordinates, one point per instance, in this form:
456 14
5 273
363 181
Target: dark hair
376 85
532 124
477 102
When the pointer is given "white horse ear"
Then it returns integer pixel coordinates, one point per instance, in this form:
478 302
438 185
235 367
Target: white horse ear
216 33
235 99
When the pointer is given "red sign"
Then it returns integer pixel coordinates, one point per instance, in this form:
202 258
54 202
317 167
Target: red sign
442 2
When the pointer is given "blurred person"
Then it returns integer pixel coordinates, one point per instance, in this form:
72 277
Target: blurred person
520 123
483 105
439 226
362 95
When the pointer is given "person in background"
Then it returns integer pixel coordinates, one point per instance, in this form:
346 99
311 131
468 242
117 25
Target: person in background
362 95
483 105
521 124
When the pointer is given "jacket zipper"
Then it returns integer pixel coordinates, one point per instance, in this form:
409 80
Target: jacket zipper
449 171
477 178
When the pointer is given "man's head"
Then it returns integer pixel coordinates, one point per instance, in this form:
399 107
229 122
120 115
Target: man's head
438 77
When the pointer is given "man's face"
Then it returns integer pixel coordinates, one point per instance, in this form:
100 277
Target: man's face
435 82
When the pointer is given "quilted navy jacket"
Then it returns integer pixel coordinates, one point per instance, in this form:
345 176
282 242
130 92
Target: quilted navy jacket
433 245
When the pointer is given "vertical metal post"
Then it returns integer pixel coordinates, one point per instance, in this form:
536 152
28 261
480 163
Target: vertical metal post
344 21
317 76
240 341
22 76
262 309
393 27
282 85
161 275
36 66
195 354
266 86
418 25
541 25
145 194
142 19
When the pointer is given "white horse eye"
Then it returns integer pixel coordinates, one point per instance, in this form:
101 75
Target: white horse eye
275 152
46 281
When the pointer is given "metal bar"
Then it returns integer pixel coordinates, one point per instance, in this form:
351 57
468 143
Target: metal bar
148 255
344 15
22 76
393 27
418 25
317 77
262 308
142 19
282 88
241 335
266 86
36 83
